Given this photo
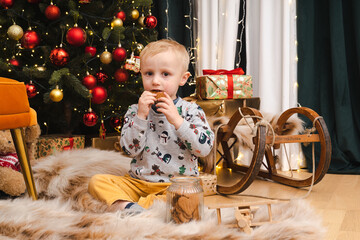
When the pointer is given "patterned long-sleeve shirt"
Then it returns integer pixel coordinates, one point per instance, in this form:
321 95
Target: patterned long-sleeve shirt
160 151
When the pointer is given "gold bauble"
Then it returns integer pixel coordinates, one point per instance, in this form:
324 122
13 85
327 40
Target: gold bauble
139 47
117 22
141 20
134 14
106 57
15 32
56 95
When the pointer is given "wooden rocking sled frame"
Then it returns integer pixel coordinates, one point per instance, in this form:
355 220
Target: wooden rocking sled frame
264 146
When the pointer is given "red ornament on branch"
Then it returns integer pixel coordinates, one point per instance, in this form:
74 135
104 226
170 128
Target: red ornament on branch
116 122
99 95
30 39
89 81
90 50
76 36
150 21
119 54
101 76
90 118
121 15
59 57
6 3
121 75
31 90
52 12
14 62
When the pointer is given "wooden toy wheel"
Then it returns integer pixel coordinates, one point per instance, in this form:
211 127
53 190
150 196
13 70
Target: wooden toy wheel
248 173
319 134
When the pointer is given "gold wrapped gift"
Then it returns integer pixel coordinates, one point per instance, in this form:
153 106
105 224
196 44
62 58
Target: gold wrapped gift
109 143
224 107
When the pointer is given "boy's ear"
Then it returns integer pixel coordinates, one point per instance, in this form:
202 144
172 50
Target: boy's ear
184 78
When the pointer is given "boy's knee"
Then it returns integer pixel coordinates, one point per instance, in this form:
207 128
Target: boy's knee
94 180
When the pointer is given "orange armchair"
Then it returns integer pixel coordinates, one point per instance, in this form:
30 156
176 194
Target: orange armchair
15 113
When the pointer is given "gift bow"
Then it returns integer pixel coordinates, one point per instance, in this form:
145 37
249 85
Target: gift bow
237 71
229 73
71 145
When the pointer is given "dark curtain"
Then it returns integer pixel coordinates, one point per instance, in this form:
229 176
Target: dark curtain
240 57
328 33
177 9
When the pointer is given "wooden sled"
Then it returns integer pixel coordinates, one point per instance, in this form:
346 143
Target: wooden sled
264 144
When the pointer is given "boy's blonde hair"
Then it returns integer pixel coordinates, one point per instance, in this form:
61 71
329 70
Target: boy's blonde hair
164 45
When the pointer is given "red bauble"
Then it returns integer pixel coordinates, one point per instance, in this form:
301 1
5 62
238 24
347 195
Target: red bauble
121 75
99 95
116 122
59 57
90 118
14 62
150 21
84 1
89 81
30 39
31 90
119 54
90 50
6 3
121 15
101 76
52 12
76 36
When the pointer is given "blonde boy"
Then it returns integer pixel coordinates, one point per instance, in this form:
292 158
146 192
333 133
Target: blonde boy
164 134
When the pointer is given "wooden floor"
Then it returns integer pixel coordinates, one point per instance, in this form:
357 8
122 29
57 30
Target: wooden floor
336 198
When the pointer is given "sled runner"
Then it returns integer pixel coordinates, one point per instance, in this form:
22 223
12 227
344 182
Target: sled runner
265 142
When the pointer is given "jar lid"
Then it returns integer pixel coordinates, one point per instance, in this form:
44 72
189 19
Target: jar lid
184 180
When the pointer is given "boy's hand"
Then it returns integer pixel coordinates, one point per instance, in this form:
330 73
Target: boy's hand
145 101
167 107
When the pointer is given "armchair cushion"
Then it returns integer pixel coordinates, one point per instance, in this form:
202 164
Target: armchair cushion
15 111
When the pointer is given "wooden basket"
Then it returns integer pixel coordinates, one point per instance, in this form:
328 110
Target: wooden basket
208 182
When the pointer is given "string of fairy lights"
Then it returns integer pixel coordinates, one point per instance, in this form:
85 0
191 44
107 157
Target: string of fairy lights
242 30
194 43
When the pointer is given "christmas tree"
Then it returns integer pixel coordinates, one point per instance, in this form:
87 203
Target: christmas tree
79 59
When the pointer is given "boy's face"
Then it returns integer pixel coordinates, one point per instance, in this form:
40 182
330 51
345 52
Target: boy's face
163 72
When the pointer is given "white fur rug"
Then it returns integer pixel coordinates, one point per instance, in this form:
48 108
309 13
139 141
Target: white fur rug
66 211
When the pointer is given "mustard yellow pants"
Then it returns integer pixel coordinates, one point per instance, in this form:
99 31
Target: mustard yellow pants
110 188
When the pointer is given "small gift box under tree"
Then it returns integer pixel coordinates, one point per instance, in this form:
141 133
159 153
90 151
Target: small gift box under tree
49 144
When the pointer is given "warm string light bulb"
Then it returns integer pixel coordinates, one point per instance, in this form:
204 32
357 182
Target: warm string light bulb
167 19
242 23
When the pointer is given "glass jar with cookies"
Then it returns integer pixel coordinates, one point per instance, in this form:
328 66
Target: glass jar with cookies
184 200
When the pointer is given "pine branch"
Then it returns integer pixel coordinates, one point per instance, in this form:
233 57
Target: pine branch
57 75
74 83
4 66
